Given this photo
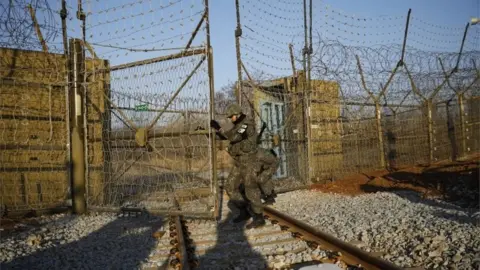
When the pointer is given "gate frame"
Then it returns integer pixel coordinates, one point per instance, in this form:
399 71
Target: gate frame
79 178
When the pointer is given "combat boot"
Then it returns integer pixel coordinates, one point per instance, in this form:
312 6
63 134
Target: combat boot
269 200
243 216
258 221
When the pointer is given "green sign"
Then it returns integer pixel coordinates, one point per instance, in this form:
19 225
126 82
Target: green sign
141 108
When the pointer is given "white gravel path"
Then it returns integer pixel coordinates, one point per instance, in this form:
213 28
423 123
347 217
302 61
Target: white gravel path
96 241
412 231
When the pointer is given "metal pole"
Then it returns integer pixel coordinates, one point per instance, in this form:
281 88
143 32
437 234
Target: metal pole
292 61
310 50
107 130
68 157
430 130
461 47
307 131
213 148
462 125
310 89
37 28
78 154
188 152
194 34
63 15
238 34
400 63
378 116
82 17
185 53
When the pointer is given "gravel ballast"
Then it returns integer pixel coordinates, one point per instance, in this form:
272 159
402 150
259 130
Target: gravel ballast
94 241
411 231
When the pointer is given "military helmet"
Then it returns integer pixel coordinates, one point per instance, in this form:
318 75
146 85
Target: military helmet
233 109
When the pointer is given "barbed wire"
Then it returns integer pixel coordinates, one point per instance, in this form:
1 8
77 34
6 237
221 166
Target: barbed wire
131 30
338 62
357 64
16 26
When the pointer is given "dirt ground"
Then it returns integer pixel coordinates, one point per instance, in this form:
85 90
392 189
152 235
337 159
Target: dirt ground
448 180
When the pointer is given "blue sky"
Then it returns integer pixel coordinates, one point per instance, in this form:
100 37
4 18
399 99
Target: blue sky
437 12
162 27
436 25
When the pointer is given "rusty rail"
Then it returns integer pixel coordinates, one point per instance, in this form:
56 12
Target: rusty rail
349 253
180 250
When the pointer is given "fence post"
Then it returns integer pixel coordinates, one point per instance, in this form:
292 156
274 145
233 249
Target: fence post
238 34
63 15
213 145
430 131
378 116
107 129
188 146
462 125
451 131
78 154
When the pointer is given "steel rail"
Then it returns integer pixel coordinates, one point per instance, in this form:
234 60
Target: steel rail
180 250
348 253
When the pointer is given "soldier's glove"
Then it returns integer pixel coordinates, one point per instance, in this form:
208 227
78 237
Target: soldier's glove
214 124
259 137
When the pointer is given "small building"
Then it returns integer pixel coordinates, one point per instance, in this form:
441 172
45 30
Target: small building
279 103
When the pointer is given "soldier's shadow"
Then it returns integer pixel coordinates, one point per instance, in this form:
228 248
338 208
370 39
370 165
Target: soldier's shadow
232 249
124 243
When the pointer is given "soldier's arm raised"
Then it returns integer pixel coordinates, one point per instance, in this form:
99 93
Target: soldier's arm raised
219 131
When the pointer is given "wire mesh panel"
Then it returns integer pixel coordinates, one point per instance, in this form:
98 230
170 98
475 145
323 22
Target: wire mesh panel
146 150
406 138
472 125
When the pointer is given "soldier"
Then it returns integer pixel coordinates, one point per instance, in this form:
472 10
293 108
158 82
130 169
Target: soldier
242 184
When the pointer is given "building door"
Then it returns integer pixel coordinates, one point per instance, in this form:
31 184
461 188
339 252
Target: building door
272 113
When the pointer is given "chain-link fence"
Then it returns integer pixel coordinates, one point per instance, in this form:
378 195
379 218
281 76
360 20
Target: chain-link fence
146 153
112 104
374 92
113 99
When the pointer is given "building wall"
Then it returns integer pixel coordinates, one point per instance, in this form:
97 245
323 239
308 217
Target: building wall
327 157
33 129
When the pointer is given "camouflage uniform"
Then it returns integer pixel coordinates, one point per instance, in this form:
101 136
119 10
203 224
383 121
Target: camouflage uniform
242 183
267 166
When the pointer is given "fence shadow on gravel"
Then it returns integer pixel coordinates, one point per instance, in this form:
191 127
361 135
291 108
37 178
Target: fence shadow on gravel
232 249
457 187
455 183
121 244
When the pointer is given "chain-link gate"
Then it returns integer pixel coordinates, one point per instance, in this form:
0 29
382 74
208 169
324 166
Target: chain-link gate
143 150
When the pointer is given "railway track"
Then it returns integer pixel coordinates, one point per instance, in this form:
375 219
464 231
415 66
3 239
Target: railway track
284 243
